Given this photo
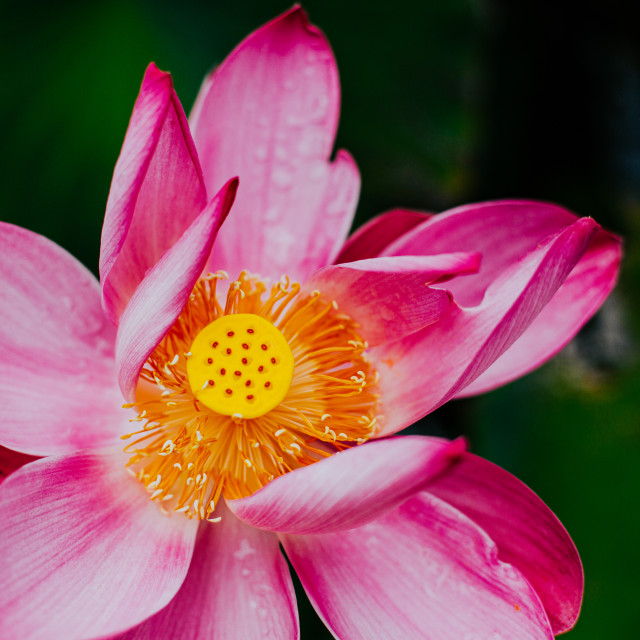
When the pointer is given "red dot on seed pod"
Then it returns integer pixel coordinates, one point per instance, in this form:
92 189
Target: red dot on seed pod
230 334
267 384
249 397
263 347
273 360
228 392
211 383
244 361
247 383
260 368
209 360
237 373
215 344
250 331
223 371
228 352
245 345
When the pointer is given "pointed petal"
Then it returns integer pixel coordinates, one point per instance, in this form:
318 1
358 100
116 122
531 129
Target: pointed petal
238 586
390 297
581 295
350 488
462 345
423 570
268 114
528 535
165 289
84 552
369 240
58 387
503 232
156 192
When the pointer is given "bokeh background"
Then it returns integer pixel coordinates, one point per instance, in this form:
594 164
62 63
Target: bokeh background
443 103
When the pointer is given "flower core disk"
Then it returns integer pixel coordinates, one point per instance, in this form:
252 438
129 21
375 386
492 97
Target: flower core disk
240 365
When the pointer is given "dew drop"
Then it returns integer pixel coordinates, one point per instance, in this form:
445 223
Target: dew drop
282 178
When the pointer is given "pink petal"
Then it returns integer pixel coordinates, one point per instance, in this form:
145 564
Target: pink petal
350 488
58 387
156 192
421 571
574 303
369 240
165 289
85 553
528 535
451 353
10 461
238 586
503 232
390 297
268 114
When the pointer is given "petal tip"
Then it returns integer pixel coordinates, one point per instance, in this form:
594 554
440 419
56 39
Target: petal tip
589 223
228 194
154 75
457 447
294 20
232 187
295 13
475 262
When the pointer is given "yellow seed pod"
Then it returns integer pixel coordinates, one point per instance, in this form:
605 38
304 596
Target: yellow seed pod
240 365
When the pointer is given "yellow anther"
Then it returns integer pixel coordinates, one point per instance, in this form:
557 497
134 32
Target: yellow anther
241 366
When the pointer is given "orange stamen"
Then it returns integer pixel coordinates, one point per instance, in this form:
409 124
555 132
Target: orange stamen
304 391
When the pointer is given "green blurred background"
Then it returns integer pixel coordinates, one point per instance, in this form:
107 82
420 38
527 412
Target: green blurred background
443 103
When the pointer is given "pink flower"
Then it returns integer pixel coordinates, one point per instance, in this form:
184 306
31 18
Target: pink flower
401 537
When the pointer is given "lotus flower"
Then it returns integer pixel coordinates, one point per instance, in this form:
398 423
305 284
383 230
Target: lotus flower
259 411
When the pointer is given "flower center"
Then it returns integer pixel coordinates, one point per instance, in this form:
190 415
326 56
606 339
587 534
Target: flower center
247 387
240 365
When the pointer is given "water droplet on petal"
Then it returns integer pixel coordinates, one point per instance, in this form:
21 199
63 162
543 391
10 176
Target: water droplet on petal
282 178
